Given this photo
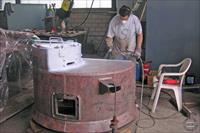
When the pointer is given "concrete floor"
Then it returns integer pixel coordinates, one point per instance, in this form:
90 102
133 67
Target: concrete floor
166 119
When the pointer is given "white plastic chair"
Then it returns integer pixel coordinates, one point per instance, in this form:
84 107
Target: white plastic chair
177 88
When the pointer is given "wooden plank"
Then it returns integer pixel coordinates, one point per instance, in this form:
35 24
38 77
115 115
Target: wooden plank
145 85
195 86
34 127
67 34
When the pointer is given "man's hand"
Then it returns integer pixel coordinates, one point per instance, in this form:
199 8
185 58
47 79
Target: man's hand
138 52
109 42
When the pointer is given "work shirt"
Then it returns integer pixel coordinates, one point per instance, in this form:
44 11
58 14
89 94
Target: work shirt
65 5
124 35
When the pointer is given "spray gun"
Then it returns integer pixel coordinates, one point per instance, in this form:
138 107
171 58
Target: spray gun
127 55
108 53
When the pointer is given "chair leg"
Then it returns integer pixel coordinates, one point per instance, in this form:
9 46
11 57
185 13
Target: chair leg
156 99
155 85
178 96
153 93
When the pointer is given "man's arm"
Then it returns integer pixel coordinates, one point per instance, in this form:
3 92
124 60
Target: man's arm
110 35
138 49
109 42
139 40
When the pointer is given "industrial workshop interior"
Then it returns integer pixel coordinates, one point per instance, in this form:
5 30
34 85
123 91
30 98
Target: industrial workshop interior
99 66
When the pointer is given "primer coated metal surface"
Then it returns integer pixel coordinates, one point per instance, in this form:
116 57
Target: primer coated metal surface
94 111
59 55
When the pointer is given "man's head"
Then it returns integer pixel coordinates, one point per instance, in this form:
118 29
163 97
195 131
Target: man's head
124 12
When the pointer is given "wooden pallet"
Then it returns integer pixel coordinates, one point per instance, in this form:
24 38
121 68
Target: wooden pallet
35 128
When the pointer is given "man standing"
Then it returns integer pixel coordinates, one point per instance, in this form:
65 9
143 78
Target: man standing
124 35
64 12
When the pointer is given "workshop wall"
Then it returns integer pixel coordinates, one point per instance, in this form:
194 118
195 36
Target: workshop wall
96 24
3 20
173 33
24 16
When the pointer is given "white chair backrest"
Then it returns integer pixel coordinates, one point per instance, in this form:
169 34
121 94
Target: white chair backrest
185 65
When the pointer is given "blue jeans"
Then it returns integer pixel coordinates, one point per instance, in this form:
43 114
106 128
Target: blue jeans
120 57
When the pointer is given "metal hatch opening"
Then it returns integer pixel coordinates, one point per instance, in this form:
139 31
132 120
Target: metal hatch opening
65 107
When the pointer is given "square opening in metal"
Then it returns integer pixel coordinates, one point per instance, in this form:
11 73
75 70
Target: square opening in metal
65 107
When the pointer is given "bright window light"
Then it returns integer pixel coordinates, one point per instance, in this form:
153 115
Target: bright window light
11 1
77 3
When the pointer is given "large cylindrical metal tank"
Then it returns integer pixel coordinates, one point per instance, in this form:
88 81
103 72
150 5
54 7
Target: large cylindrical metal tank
81 100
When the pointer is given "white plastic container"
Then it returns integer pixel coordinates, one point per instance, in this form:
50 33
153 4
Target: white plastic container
60 55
